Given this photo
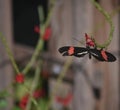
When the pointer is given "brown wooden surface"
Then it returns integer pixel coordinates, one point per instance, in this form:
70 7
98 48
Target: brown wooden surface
110 88
84 18
6 72
72 19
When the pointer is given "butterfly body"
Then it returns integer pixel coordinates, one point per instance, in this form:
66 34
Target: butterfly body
100 55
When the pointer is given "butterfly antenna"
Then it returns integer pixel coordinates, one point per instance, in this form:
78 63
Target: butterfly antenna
81 42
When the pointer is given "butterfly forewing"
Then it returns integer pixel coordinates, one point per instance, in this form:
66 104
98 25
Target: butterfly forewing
73 51
63 49
100 55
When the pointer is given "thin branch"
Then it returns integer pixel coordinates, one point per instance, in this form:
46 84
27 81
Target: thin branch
34 85
59 80
41 14
40 44
109 19
10 55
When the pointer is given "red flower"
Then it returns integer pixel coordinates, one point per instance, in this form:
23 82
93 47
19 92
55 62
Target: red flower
23 102
47 33
19 78
36 29
64 101
45 74
89 41
38 93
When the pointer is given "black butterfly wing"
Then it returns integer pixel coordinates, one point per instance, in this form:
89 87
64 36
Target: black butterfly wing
111 57
77 51
97 54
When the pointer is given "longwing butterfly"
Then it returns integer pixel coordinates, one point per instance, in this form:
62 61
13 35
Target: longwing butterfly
100 55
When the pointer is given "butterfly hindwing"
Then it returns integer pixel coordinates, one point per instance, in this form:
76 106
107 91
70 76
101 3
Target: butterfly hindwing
97 54
73 51
110 57
102 55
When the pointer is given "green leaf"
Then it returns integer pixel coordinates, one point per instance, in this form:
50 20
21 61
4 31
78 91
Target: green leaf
16 108
3 103
43 103
4 94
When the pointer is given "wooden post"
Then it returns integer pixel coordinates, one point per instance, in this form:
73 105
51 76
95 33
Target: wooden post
6 73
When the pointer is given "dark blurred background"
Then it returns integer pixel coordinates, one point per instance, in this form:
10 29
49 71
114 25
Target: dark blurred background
25 18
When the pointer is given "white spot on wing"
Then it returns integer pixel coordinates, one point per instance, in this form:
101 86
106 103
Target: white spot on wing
82 53
94 54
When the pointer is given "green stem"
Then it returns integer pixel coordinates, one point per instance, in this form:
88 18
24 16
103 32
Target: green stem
34 85
40 44
108 18
34 56
112 14
41 14
9 53
59 80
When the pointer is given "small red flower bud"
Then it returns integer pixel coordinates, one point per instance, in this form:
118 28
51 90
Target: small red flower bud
47 34
19 78
64 101
38 93
37 29
23 102
45 74
89 41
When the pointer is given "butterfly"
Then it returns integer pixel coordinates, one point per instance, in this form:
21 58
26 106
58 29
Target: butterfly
100 55
90 49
